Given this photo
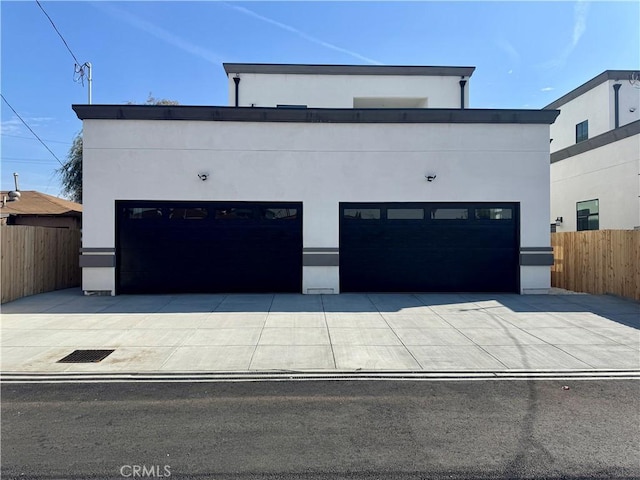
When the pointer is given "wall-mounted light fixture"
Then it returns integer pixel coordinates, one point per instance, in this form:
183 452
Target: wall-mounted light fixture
558 220
203 176
430 178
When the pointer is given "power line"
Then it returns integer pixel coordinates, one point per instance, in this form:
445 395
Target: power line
31 130
31 138
26 160
29 162
61 37
79 68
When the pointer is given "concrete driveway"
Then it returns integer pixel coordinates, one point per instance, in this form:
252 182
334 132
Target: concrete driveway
457 334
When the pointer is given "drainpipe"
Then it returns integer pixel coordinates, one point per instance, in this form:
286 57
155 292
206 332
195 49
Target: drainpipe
462 84
616 103
236 79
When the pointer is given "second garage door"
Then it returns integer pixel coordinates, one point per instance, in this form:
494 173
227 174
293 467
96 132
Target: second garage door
175 247
423 247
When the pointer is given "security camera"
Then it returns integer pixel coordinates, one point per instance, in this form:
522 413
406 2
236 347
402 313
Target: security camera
203 176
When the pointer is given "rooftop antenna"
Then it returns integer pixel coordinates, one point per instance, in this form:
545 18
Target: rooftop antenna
80 71
89 80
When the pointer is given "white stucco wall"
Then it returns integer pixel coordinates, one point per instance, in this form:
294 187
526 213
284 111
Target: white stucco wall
318 164
629 103
339 91
609 174
596 106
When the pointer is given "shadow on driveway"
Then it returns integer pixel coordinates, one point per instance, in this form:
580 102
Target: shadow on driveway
71 301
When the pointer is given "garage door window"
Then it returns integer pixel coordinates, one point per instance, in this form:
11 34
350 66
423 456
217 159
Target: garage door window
494 214
137 213
405 214
362 213
449 214
278 213
187 213
234 214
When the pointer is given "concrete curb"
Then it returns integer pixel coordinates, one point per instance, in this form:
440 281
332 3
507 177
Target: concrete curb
284 376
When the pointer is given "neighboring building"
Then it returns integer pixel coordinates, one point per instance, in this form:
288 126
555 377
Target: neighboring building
318 188
595 155
39 210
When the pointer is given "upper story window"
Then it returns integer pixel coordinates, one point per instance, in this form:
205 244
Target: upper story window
582 131
588 213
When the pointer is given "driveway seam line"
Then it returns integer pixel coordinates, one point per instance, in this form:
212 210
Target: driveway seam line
255 349
326 326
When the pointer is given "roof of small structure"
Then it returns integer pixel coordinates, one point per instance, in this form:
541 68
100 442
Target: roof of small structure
37 203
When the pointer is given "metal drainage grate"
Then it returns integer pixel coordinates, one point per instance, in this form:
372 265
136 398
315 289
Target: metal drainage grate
86 356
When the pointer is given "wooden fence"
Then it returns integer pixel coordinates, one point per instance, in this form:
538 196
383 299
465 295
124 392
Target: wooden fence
38 259
598 262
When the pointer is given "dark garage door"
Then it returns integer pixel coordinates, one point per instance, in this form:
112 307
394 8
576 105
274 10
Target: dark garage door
173 247
424 247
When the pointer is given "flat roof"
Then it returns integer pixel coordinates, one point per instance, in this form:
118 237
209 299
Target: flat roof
594 82
312 115
311 69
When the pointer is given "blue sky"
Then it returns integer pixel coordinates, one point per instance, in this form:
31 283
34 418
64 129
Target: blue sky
526 54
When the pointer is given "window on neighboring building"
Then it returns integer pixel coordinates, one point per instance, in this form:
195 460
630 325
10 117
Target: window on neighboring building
588 215
582 131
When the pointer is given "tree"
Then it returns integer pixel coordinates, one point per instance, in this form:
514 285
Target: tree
71 172
151 100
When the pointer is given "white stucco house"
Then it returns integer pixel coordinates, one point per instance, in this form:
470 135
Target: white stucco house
595 155
318 179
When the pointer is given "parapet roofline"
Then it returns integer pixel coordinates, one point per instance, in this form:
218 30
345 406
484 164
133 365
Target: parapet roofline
313 115
590 84
310 69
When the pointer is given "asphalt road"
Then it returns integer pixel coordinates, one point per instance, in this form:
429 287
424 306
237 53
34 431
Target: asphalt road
342 429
